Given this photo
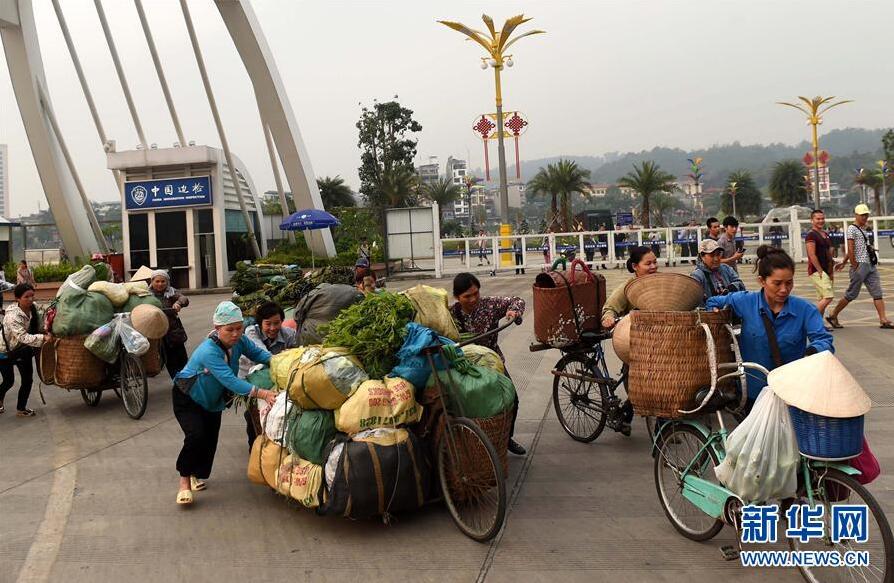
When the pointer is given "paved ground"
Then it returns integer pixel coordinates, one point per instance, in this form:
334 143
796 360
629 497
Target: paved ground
88 494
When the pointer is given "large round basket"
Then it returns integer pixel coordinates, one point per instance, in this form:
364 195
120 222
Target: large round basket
664 292
46 364
152 358
669 359
497 429
77 367
827 438
621 339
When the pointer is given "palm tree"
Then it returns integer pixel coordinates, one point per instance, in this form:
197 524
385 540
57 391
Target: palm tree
399 186
787 184
662 205
441 191
542 184
646 180
335 192
568 178
871 179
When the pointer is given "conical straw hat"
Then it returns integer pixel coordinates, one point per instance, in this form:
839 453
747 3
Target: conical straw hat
142 273
149 321
820 384
664 292
621 339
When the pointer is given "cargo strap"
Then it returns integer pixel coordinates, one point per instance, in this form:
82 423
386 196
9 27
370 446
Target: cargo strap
377 472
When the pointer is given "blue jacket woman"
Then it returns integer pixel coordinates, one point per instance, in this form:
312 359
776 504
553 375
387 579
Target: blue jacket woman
200 395
797 324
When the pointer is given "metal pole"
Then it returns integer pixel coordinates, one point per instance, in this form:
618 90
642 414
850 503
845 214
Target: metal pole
158 69
816 191
501 149
276 177
88 208
118 69
220 130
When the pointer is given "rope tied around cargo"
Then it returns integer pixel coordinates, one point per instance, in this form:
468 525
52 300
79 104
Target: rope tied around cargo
459 362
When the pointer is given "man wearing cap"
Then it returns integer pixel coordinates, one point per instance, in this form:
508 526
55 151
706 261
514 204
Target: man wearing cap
863 259
716 277
201 393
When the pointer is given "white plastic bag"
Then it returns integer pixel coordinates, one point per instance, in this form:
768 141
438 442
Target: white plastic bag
103 342
762 456
134 342
276 419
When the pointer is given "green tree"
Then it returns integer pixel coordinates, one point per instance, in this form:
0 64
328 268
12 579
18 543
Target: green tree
647 179
888 146
561 180
748 195
871 179
663 205
541 185
335 193
441 191
787 186
387 149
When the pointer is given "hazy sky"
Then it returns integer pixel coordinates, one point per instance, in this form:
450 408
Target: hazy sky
608 75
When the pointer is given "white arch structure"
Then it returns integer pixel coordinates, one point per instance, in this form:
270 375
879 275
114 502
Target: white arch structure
74 217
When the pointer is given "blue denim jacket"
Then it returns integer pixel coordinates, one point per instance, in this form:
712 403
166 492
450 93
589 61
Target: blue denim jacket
797 326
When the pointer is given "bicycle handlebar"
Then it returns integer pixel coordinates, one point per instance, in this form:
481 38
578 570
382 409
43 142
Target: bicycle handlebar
517 321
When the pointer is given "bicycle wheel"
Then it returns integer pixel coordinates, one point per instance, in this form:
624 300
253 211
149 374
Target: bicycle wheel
134 388
679 445
580 405
832 488
91 397
471 480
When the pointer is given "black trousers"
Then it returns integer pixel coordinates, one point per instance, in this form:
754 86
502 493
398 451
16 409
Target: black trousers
200 432
175 357
514 405
26 373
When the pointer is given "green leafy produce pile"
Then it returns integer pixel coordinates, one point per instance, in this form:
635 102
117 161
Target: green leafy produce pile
289 294
333 274
250 278
372 330
250 302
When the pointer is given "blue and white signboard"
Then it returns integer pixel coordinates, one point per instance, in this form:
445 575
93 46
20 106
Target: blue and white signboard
167 192
623 219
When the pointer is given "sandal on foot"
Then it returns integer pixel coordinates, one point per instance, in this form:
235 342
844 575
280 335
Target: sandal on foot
833 320
196 484
2 409
184 497
25 413
887 325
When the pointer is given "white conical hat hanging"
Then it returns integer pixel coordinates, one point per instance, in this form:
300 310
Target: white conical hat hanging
820 384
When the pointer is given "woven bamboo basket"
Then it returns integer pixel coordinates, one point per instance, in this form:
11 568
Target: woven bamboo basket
77 367
664 292
152 358
669 359
478 470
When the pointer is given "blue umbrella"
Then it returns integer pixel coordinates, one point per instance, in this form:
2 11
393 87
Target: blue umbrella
309 220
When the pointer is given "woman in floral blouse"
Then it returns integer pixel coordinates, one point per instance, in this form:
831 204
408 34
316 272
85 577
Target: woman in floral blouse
477 314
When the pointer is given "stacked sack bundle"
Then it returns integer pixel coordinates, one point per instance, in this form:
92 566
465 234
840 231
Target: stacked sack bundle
87 318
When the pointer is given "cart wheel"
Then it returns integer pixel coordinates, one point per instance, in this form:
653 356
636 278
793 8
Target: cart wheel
91 397
471 480
134 388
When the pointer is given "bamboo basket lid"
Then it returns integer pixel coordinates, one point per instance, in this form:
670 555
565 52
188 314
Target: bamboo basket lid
664 292
621 339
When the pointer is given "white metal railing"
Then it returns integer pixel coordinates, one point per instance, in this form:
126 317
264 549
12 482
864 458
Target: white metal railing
609 248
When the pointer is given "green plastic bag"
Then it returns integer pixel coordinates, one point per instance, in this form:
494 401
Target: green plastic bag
310 433
477 391
261 378
133 301
80 313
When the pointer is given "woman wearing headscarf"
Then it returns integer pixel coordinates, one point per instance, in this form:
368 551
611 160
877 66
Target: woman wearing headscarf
172 301
201 393
21 336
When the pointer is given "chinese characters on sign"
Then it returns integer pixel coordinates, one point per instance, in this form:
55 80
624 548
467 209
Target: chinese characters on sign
804 523
167 192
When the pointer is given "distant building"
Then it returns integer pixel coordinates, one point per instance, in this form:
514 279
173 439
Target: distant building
627 191
4 180
689 187
599 190
429 173
456 170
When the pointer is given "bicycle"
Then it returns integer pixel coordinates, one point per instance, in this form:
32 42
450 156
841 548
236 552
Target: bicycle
469 468
585 393
687 450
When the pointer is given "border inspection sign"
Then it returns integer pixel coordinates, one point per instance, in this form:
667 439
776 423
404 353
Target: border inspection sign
167 192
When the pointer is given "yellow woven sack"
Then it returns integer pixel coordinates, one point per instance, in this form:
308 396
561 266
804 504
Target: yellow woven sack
432 310
484 356
383 437
378 404
323 378
300 480
280 365
137 288
266 457
116 292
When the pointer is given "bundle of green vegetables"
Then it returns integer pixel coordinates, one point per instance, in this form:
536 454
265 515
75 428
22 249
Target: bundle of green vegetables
333 274
250 302
289 294
373 330
251 277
